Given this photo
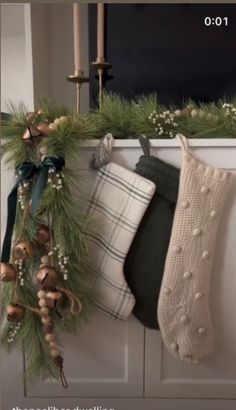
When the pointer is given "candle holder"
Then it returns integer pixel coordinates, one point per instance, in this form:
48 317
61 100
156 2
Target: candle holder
100 66
78 78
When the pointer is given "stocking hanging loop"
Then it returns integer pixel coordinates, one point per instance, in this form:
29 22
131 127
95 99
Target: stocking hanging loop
183 141
102 155
145 144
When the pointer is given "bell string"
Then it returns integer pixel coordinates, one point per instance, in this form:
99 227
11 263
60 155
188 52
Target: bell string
60 315
63 378
76 305
34 310
102 155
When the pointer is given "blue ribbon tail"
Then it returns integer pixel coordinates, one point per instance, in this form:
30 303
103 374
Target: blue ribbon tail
11 211
39 188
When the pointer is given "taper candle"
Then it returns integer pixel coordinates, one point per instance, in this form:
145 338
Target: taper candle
100 33
77 47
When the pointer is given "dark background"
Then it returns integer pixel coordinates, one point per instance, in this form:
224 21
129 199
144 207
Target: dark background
166 48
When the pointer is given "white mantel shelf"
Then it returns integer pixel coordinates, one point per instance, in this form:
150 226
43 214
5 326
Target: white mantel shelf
169 143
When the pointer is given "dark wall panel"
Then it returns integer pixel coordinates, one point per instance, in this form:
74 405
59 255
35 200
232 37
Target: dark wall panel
166 48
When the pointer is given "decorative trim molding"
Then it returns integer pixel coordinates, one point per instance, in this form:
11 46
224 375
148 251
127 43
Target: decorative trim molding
169 143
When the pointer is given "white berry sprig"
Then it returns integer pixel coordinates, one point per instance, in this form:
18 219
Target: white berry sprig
229 111
164 122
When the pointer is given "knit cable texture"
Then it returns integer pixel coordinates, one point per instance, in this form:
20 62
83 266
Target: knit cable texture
183 309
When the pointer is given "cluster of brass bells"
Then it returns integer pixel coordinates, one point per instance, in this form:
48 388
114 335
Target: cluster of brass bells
15 312
24 250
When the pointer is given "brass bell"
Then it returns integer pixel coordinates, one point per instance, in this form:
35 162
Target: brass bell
44 128
26 135
23 250
15 312
47 276
8 272
43 234
32 132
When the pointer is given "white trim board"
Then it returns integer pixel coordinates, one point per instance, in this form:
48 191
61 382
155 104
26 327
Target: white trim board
168 143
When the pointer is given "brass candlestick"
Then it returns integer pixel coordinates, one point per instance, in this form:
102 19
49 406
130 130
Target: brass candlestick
101 66
78 78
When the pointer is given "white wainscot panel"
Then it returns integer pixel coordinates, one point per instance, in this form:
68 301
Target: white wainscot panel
105 359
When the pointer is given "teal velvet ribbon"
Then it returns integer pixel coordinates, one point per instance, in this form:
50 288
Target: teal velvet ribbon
25 173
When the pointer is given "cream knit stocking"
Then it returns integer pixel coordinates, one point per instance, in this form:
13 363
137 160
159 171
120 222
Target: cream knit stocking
183 309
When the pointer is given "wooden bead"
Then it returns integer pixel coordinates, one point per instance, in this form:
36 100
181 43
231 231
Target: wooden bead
44 128
15 312
54 295
45 320
43 234
178 113
63 118
186 112
41 294
52 298
45 311
50 337
42 302
194 113
52 126
48 328
8 272
55 353
23 250
45 260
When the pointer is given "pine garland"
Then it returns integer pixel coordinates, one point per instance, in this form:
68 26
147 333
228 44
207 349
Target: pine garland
126 119
70 226
145 115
